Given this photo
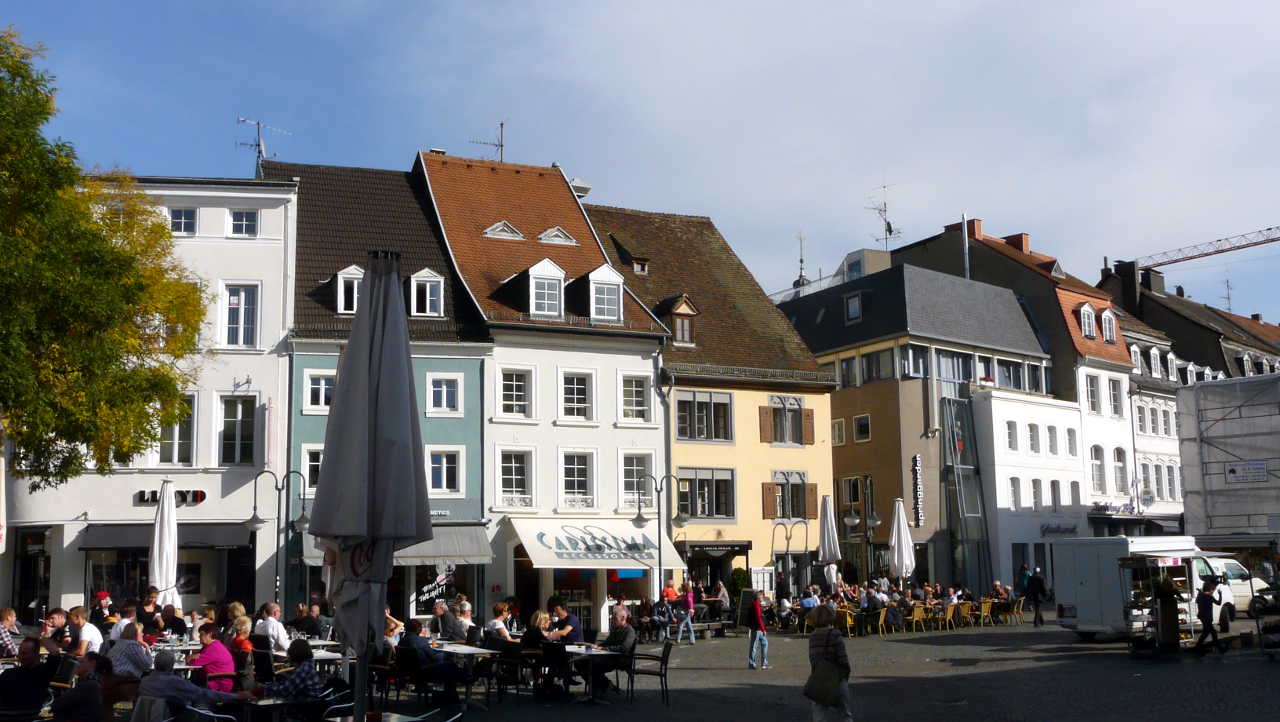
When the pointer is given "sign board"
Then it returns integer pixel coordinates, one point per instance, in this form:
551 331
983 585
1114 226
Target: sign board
917 487
1058 530
188 497
1245 472
746 611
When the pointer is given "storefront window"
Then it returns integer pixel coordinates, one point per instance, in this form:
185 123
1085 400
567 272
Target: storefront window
432 582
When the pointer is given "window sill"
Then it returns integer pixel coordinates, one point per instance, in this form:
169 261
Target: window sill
516 510
247 350
862 441
576 511
716 442
315 411
710 520
635 425
521 420
445 495
630 511
573 422
444 414
785 445
684 344
427 317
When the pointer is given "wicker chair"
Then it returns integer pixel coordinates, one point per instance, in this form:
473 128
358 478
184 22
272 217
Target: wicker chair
947 618
1017 611
984 613
965 615
884 614
917 618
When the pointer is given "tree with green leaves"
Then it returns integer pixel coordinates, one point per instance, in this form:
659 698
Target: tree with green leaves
99 321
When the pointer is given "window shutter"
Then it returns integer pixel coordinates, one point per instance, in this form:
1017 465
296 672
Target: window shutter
768 493
808 426
766 424
810 500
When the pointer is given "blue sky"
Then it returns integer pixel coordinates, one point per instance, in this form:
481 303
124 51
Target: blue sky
1102 129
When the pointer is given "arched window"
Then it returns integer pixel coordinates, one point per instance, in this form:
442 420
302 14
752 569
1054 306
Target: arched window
1122 470
1037 500
1157 369
1135 355
1015 493
1173 484
1098 471
1055 496
1087 326
1075 493
1108 327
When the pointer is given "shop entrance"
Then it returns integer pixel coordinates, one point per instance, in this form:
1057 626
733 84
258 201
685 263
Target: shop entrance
526 584
31 578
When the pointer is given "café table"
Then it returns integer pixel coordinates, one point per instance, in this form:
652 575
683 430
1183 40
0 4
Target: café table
382 717
470 653
592 655
274 706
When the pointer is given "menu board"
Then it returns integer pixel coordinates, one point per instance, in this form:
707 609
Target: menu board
746 613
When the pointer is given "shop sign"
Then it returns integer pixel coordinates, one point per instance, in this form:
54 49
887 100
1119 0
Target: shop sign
1057 530
596 543
190 497
1104 508
1244 472
917 485
438 513
441 582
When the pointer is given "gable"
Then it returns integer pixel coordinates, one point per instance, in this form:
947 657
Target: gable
684 307
605 274
504 230
557 235
546 267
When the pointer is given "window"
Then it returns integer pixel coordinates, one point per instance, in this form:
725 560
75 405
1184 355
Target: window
319 391
1075 493
1092 394
1015 493
704 416
1171 363
853 270
1086 322
684 329
182 221
635 398
1157 369
1108 327
444 395
516 392
851 488
1121 469
1098 471
1035 376
877 365
1033 438
546 296
576 396
312 457
1142 419
1116 397
176 438
916 362
1055 496
1051 433
1158 472
635 480
1011 434
238 426
504 230
244 223
428 297
606 301
848 372
837 432
1154 414
862 428
576 481
853 308
1173 486
1165 422
955 371
1010 374
444 472
1071 443
1135 355
1037 498
641 268
791 496
242 315
986 368
516 490
1145 473
788 419
706 493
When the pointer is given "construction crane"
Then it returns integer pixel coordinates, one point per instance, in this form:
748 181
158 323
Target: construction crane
1212 248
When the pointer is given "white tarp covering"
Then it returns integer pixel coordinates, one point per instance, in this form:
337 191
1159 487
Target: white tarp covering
902 551
162 567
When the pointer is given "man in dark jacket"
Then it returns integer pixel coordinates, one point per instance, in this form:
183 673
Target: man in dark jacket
447 625
26 686
433 665
1036 594
621 641
1205 602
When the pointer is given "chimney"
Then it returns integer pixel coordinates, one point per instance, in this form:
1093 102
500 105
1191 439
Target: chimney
1182 292
1020 241
1153 280
437 151
580 187
1128 273
975 228
1257 317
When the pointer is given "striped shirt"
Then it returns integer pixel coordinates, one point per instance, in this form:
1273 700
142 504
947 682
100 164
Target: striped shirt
129 658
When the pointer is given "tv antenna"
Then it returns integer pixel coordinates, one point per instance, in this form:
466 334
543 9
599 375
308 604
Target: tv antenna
1227 296
882 210
801 280
499 144
258 144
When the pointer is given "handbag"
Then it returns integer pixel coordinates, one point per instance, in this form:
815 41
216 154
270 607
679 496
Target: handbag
823 685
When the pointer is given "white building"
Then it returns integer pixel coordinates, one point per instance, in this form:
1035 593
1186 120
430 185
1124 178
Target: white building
93 532
1156 376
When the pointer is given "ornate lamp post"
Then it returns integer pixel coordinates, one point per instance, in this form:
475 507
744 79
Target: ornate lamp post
872 521
639 521
255 523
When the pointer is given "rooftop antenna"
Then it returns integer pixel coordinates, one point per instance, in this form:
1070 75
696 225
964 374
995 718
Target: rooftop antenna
501 142
258 144
882 210
1227 297
801 280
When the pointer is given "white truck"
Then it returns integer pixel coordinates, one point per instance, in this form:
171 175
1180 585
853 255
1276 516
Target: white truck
1092 595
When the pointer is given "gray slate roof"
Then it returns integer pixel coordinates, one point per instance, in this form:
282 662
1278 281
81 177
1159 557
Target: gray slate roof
919 302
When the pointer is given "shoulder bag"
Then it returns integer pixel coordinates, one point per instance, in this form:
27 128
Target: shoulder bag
825 682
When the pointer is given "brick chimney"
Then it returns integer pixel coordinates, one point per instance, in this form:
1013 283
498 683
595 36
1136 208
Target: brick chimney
1020 241
1256 316
1182 292
1128 273
1153 280
975 228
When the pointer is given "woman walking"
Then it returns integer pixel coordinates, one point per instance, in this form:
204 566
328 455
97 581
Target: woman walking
828 684
687 619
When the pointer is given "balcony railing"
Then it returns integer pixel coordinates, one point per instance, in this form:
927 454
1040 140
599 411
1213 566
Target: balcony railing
579 501
516 500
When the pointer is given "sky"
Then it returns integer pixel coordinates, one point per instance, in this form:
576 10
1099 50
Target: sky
1103 129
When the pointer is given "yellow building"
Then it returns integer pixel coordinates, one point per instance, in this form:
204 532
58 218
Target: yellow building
749 410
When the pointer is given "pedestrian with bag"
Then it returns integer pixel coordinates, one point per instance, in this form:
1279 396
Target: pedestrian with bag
1036 594
1205 602
828 685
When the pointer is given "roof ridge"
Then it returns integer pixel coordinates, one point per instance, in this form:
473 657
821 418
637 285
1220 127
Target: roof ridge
639 212
426 154
334 167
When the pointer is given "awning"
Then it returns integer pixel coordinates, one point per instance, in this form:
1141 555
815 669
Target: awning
1235 541
191 535
714 548
1180 553
595 544
452 545
1169 526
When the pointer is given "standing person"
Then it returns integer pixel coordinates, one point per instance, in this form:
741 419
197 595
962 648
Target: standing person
1205 601
669 592
758 634
89 637
150 611
567 628
826 645
270 627
102 610
1036 594
1020 583
83 702
684 615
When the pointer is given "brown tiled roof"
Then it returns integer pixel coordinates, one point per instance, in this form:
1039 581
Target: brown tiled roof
1135 325
1040 263
1207 316
343 213
471 195
1070 301
1267 332
737 326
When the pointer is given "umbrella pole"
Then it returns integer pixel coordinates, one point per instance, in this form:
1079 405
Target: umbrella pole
360 687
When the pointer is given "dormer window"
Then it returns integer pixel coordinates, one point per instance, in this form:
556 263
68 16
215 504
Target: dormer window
1173 366
426 294
682 314
684 329
558 236
1087 324
1108 326
640 266
1135 355
350 279
546 289
503 230
1157 369
606 294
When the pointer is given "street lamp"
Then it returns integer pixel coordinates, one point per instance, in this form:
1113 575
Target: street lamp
872 520
639 521
790 529
256 523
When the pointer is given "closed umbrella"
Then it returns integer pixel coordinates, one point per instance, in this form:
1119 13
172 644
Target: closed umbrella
902 551
371 498
828 541
162 567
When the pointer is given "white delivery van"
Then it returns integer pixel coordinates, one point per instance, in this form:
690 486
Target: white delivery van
1087 585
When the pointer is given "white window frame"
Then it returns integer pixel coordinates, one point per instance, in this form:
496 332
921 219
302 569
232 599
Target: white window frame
1093 394
606 278
505 231
1011 435
308 408
428 278
1037 495
1135 355
1120 469
837 432
1015 493
350 273
1088 322
626 500
461 451
304 462
597 313
593 479
593 398
231 222
1033 438
1098 469
433 411
224 307
195 221
1171 361
194 396
1055 496
649 399
1073 442
259 428
683 330
1166 423
533 296
1157 366
557 236
531 394
1051 435
1170 479
1108 326
853 428
531 476
1115 397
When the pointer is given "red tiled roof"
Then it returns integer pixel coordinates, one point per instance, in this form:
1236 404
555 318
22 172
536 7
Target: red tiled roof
1040 263
1267 332
471 195
1070 301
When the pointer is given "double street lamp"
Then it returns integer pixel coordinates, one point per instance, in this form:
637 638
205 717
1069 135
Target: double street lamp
255 523
639 521
872 521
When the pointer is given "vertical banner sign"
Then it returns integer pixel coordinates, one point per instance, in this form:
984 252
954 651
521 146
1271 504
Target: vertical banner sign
917 489
4 506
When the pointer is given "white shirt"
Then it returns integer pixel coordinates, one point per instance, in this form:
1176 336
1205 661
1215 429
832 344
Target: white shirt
119 627
496 627
92 635
273 630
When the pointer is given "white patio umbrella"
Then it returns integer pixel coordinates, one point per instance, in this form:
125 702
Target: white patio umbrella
902 551
828 540
162 567
371 498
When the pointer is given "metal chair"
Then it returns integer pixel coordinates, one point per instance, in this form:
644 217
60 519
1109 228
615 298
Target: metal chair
664 662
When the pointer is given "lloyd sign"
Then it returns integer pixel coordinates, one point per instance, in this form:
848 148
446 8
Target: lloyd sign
597 544
190 497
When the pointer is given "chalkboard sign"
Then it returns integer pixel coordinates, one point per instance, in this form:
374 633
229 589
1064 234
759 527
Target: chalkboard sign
746 611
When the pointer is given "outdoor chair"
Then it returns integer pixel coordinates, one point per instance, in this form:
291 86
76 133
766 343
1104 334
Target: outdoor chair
965 615
846 620
407 671
555 662
663 660
984 613
1017 611
947 618
61 681
883 629
917 618
508 667
264 671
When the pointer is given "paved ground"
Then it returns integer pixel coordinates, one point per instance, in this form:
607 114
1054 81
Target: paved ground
1001 673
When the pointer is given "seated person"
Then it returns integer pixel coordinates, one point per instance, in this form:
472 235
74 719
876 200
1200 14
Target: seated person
303 683
536 634
496 628
130 657
305 622
216 660
448 626
88 638
172 622
621 639
241 628
26 687
83 702
164 684
10 635
433 665
998 593
569 628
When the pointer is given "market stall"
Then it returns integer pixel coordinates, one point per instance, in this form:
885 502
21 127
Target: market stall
1159 604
